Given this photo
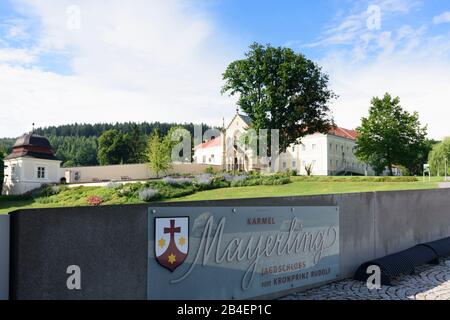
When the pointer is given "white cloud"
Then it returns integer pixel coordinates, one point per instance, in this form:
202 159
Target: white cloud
442 18
404 61
418 72
149 61
16 56
353 27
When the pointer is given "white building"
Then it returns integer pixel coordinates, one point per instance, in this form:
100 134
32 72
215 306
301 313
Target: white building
324 154
31 164
210 152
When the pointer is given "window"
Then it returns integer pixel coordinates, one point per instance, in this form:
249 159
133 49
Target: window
303 147
204 159
293 148
294 164
41 173
284 165
314 147
13 171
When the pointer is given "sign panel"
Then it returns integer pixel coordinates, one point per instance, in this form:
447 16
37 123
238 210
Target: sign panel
4 257
239 253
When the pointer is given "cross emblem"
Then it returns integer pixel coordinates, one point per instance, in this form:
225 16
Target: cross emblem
172 230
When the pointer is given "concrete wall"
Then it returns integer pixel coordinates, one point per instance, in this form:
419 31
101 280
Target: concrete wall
109 243
4 257
132 171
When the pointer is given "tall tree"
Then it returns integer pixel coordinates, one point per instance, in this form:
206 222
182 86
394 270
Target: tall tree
439 157
137 143
280 89
391 135
159 153
112 148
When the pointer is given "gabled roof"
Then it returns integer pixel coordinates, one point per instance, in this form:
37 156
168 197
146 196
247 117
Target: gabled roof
344 133
243 117
216 142
339 132
246 119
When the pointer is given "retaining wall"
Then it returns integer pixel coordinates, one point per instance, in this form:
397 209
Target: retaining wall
110 243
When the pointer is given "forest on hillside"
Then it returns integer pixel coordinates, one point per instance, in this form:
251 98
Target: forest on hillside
78 144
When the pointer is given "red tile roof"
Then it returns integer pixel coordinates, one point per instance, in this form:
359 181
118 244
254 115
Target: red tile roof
210 144
339 132
344 133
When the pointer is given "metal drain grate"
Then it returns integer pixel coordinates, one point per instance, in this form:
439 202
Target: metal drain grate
403 262
440 247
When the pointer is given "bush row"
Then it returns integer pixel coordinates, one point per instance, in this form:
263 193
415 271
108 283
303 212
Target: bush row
355 179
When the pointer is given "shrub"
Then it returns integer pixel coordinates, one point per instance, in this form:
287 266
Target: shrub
177 181
94 200
130 190
203 179
148 195
47 191
114 185
209 170
355 179
276 179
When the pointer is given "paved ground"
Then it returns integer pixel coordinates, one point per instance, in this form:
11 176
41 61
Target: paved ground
427 283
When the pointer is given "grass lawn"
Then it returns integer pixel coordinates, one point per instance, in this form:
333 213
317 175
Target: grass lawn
70 198
299 186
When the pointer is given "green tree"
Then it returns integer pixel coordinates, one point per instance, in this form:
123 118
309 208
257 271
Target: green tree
112 148
137 143
158 153
86 153
280 89
391 135
439 156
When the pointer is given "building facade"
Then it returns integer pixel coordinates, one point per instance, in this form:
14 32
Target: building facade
31 164
321 154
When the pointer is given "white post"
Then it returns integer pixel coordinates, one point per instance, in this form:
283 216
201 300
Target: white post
446 168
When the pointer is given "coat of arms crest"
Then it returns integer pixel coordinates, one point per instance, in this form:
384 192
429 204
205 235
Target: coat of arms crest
171 241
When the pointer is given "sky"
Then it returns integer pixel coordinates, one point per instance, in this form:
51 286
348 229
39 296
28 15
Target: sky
87 61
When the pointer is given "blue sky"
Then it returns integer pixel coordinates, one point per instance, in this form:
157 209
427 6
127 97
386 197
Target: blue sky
64 61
